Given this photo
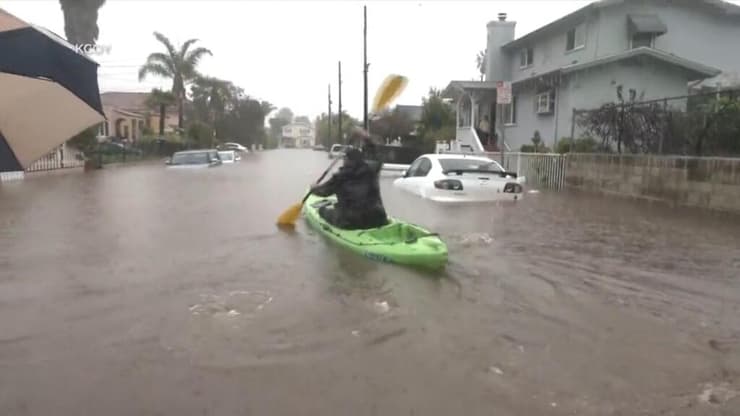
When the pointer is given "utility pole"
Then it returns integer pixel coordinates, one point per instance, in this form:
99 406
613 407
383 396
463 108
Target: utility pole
328 139
341 139
365 66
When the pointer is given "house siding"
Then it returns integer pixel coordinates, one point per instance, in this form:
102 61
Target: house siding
590 89
693 33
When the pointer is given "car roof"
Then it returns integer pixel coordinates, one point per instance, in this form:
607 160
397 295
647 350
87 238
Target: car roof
184 152
441 156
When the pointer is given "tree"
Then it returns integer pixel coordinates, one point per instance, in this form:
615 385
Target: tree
321 125
437 119
179 65
480 62
302 119
81 20
244 121
212 98
159 100
392 124
81 27
285 114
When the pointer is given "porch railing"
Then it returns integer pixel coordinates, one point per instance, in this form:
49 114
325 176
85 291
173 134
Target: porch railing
58 158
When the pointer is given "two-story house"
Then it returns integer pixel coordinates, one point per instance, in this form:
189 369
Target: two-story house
298 135
656 47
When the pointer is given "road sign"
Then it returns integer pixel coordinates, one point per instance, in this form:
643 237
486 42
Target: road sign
503 92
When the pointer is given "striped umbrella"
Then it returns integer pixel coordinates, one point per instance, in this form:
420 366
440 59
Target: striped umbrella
48 92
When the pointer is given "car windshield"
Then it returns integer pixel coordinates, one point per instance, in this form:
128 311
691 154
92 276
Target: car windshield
190 158
337 148
226 155
470 164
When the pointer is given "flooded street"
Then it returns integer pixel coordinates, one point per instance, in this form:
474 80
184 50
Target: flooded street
145 291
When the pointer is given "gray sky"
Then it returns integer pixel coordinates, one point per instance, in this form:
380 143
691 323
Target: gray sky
286 52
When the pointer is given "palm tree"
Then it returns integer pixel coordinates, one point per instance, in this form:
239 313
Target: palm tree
160 100
177 65
480 62
81 20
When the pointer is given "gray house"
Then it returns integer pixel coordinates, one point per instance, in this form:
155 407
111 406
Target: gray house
656 47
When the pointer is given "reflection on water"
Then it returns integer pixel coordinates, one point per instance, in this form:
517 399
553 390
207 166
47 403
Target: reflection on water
157 277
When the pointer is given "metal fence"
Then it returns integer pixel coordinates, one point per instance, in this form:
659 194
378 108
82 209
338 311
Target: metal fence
702 124
543 170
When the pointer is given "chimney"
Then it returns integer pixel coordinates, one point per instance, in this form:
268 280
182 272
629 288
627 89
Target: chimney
500 32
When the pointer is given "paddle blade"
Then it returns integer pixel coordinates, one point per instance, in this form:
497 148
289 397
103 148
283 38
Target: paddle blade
391 88
290 216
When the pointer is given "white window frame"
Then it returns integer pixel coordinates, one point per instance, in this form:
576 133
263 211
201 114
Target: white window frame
524 56
578 29
545 102
509 112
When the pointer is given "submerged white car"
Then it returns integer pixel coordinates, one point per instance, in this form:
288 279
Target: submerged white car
460 178
229 156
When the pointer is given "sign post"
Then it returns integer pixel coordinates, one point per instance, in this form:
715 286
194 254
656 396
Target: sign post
503 98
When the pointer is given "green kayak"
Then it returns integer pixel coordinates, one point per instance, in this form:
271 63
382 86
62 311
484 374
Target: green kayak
398 242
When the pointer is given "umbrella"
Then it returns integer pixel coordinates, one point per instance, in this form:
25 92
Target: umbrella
49 92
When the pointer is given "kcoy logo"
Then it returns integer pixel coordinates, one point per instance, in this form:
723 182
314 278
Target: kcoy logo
91 49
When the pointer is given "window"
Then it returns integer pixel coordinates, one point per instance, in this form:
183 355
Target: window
425 165
545 102
576 38
526 58
413 168
509 112
470 164
643 40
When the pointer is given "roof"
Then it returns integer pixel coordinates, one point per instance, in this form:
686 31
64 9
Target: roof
692 66
719 6
456 156
124 99
181 152
129 113
128 100
473 85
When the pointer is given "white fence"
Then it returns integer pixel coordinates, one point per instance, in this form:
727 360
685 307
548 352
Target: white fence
543 170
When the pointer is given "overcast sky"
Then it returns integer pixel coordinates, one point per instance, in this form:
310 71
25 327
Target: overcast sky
286 52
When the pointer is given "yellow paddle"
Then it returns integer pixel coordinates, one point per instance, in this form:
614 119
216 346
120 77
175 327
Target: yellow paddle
391 88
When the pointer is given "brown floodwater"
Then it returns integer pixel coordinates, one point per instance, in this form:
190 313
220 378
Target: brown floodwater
139 290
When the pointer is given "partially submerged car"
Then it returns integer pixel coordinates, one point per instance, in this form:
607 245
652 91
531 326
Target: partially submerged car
203 158
229 156
460 178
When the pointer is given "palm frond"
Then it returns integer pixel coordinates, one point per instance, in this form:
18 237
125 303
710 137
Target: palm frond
166 42
158 58
194 56
185 46
154 69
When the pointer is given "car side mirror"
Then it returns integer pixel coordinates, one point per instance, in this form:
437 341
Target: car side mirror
403 173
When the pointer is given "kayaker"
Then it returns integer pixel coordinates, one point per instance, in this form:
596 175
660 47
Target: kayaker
359 205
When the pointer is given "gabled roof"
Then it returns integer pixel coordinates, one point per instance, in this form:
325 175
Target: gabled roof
717 6
698 69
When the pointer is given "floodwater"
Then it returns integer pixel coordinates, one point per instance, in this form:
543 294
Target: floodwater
144 291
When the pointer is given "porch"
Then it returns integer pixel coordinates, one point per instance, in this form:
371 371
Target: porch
477 129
